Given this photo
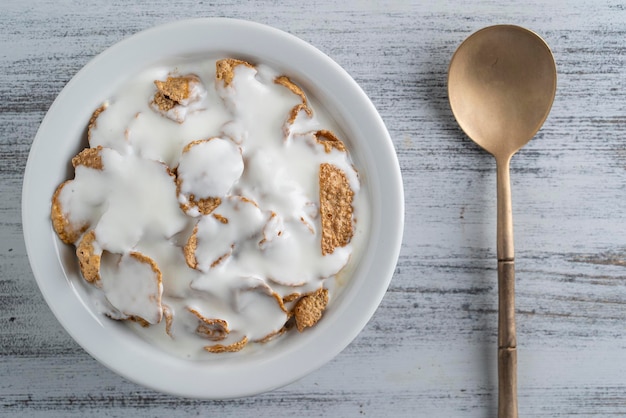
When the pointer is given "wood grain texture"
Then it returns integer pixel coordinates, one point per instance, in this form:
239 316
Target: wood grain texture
430 349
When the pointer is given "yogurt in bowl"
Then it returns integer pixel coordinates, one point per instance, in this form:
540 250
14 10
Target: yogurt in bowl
217 242
236 184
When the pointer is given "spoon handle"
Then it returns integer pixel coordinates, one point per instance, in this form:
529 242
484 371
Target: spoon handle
507 342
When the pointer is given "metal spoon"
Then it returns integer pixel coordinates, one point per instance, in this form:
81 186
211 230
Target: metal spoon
501 85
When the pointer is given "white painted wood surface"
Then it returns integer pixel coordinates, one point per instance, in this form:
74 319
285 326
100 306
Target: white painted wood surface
430 348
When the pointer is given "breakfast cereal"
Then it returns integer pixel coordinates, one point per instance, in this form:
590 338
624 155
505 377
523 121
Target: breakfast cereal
309 309
214 207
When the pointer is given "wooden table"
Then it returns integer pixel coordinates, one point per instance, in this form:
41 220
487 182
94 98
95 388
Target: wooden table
430 348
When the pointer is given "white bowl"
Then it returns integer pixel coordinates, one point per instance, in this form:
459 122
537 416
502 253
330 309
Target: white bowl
60 137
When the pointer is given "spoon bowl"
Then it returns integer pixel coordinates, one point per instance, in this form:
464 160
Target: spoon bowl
501 85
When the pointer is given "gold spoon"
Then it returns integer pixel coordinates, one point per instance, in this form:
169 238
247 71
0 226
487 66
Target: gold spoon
501 85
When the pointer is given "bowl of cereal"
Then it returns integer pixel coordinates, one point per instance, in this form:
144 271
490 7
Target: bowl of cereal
214 217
